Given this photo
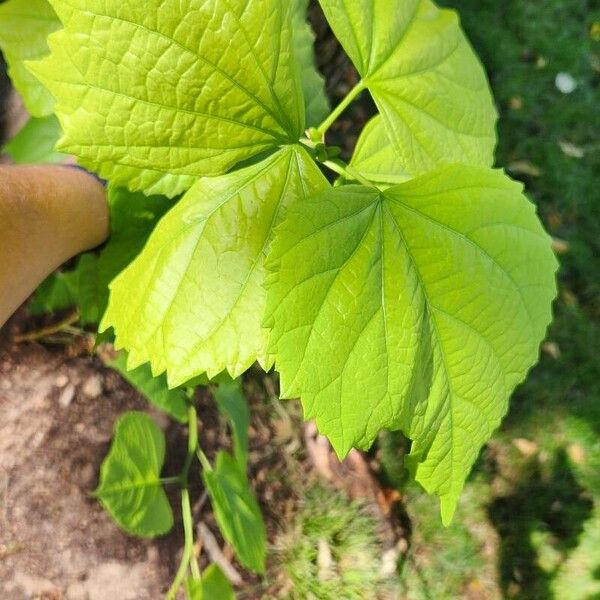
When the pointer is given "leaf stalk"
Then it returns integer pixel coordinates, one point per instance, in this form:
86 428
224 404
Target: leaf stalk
340 108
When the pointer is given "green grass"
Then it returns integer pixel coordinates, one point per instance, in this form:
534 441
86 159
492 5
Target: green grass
528 524
332 552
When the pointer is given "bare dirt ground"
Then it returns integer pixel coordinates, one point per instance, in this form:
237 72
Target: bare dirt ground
56 419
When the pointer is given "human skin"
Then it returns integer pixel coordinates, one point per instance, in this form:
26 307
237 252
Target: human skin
48 214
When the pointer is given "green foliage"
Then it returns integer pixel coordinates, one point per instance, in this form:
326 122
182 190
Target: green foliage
24 29
419 308
213 585
130 487
233 406
35 142
375 157
154 389
204 264
237 511
426 80
426 272
195 89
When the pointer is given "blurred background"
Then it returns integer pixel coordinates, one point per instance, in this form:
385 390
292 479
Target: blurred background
528 525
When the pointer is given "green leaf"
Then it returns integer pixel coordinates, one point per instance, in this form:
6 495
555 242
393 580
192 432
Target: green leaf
35 142
192 302
375 158
193 589
154 389
183 89
130 488
313 83
77 287
213 586
216 585
419 308
425 78
233 406
133 217
237 512
24 29
55 293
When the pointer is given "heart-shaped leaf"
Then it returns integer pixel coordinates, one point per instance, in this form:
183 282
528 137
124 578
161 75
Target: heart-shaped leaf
130 487
419 308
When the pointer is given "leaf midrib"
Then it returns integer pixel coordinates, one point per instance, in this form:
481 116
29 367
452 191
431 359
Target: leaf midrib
195 54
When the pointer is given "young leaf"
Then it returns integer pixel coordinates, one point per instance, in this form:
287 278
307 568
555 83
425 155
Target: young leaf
213 586
233 406
313 83
375 157
419 308
192 302
130 487
216 585
133 217
193 589
154 389
24 28
183 89
35 142
237 512
424 77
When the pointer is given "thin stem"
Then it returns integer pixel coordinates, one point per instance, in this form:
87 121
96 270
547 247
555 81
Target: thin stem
187 559
33 336
341 107
192 443
188 528
188 548
204 460
339 167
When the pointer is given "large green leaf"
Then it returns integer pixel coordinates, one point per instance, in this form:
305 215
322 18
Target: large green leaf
24 29
233 406
424 76
133 217
153 94
313 83
192 302
35 143
375 157
130 488
154 389
237 512
419 308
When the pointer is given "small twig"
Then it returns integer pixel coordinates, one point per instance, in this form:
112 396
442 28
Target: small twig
59 327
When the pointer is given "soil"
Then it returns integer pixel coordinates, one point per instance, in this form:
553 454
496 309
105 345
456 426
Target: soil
56 418
58 406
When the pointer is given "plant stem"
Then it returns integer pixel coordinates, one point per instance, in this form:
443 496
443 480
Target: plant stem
188 560
339 167
188 548
204 460
33 336
192 443
341 107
